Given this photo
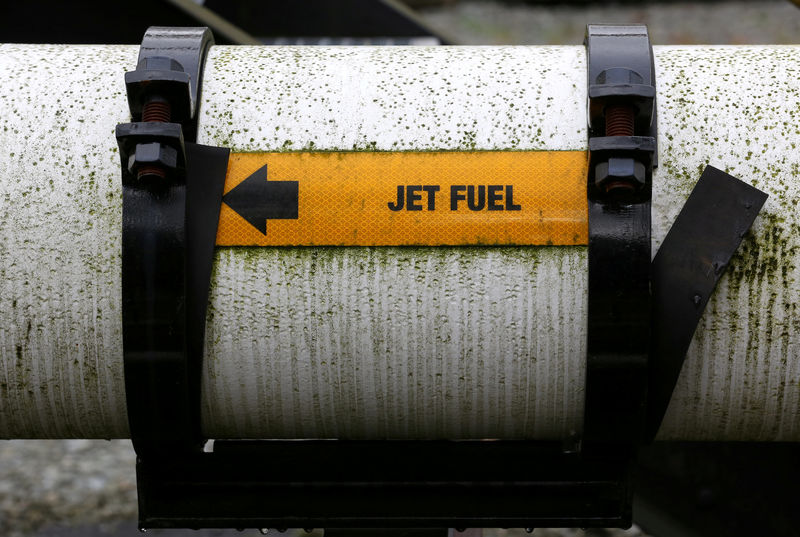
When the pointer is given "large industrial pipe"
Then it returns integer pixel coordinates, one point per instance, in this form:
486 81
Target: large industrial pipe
389 342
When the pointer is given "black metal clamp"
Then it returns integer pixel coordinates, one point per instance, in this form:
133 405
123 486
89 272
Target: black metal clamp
637 342
622 153
172 192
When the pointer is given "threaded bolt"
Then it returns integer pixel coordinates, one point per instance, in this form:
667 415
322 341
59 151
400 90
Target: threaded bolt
156 110
619 122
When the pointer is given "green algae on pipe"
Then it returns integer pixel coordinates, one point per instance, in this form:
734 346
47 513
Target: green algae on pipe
388 342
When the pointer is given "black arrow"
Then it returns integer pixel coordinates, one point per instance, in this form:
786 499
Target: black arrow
256 199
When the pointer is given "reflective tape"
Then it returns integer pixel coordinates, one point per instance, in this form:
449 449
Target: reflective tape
405 198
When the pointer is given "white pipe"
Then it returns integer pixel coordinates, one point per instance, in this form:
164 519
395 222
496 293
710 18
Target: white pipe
388 342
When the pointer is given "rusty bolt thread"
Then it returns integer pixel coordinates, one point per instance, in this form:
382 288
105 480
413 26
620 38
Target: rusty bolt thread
619 122
159 111
619 186
151 171
155 110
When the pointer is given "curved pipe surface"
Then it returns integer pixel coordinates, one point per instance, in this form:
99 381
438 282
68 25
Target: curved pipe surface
470 342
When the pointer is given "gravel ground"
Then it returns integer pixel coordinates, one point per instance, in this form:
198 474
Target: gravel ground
45 483
74 488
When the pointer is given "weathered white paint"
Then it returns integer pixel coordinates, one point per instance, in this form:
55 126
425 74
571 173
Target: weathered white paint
388 342
737 108
60 220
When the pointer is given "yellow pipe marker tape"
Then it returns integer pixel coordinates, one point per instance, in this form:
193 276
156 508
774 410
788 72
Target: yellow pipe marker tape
405 198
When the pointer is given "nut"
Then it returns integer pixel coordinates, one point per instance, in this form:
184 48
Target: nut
152 154
619 170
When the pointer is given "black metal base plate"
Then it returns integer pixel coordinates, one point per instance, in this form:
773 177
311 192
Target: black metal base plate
394 484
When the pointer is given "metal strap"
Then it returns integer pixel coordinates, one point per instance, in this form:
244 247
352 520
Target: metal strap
172 193
620 73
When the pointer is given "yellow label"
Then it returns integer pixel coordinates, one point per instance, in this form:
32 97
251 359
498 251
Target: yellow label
405 198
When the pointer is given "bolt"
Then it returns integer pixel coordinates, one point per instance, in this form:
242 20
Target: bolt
150 159
156 110
619 122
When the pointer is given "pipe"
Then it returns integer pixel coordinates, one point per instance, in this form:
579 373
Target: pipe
389 342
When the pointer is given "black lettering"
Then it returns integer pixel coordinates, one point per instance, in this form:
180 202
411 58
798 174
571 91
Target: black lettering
510 199
471 198
431 190
495 197
455 197
398 205
413 196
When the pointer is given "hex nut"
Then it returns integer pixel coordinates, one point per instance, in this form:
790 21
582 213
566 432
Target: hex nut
153 154
620 169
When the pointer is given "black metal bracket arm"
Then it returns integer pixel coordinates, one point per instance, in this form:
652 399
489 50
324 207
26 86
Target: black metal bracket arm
686 269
